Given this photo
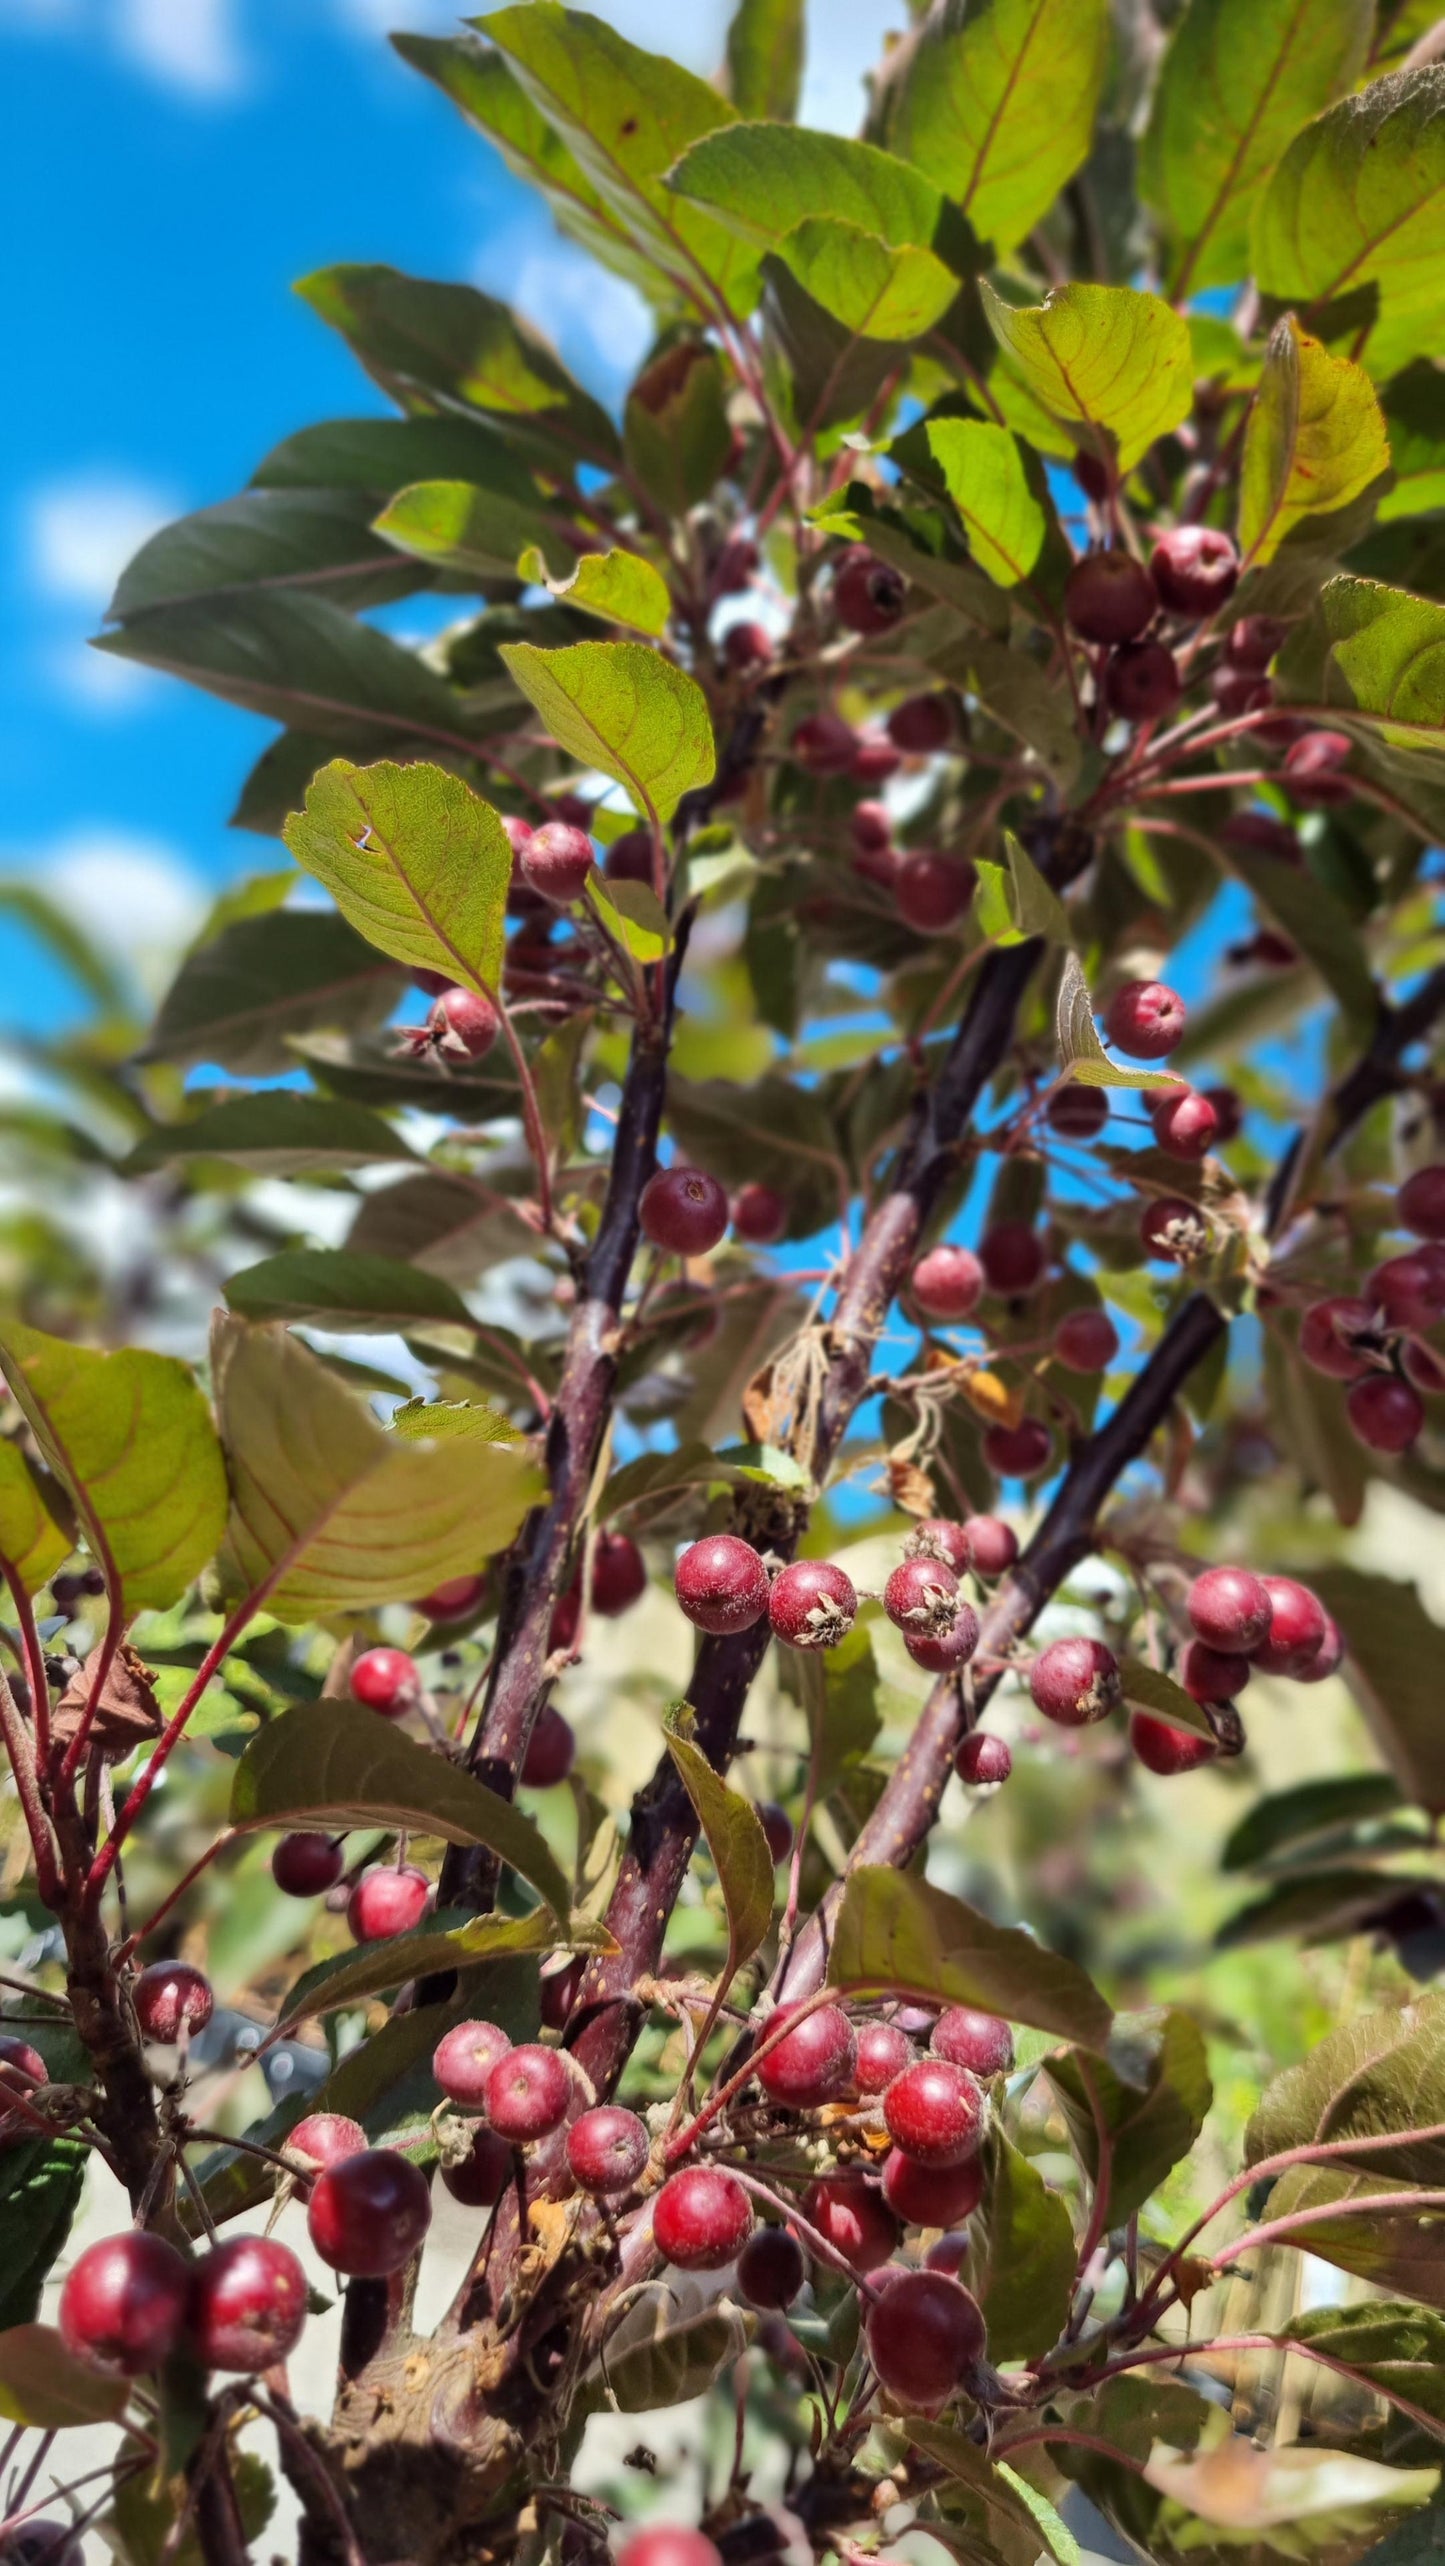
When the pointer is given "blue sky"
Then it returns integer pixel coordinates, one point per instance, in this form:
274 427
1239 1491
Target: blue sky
172 166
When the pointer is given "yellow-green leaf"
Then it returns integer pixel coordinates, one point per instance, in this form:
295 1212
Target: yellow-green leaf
983 472
462 527
625 708
44 2387
1080 1049
896 1935
1109 365
633 915
32 1542
998 105
416 860
1315 442
877 290
735 1840
619 587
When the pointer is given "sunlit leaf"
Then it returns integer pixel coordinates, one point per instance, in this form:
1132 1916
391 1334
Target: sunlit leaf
983 472
1112 367
735 1839
464 530
998 105
619 587
765 57
875 290
895 1935
1080 1049
33 1542
417 862
625 708
1315 443
1357 201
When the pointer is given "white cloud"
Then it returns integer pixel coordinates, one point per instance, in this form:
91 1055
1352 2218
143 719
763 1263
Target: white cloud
599 322
81 532
192 45
137 892
418 17
845 39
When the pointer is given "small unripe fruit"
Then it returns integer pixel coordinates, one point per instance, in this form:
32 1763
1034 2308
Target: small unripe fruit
1212 1674
1086 1341
1384 1413
1313 769
701 2219
875 759
883 2053
1420 1203
921 1596
1328 1336
1013 1258
921 725
868 594
1185 1123
1109 597
556 860
983 2043
922 2336
1075 1681
777 1829
683 1211
824 744
463 2059
170 1998
940 1652
721 1584
124 2304
367 2215
629 858
813 1604
812 2063
934 2112
946 1283
1195 569
1230 1610
479 2179
1260 833
931 2195
1142 681
1174 1231
1018 1452
248 2304
983 1759
385 1902
619 1574
454 1600
932 890
1077 1112
551 1750
759 1214
1164 1749
747 647
936 1538
306 1866
607 2149
665 2543
993 1546
463 1024
1145 1019
386 1680
1296 1630
527 2093
1409 1289
771 2269
325 2138
1253 641
852 2215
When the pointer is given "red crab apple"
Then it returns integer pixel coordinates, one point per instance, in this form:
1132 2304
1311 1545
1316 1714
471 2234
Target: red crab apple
368 2214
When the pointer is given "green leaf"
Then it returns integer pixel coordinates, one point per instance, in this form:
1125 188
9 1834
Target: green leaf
1397 2347
331 1287
1417 444
897 1936
1035 908
830 376
874 290
766 179
774 1131
1080 1049
995 2506
1357 201
673 2342
275 1132
1401 2250
1022 2254
765 57
44 2387
148 2506
418 863
1286 1819
1153 2122
1317 923
130 1436
1315 446
735 1839
1376 657
334 1764
1314 1907
1394 1668
1239 80
449 1943
1021 696
633 916
317 539
1378 2075
440 1222
330 1514
998 105
1112 367
384 455
1145 1689
33 1543
434 1419
619 587
983 472
625 708
40 2187
676 434
467 531
238 1000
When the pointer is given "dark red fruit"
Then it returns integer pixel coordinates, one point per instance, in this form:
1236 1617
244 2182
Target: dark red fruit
932 890
983 1759
870 827
921 725
1109 597
883 2053
1086 1341
825 744
1239 690
1093 475
1017 1452
771 2269
1420 1203
324 2138
1142 681
983 2043
1185 1123
665 2543
760 1214
813 1604
368 2215
1228 1113
565 1623
923 2335
527 2093
777 1829
921 1597
940 1652
454 1600
1230 1610
463 1024
22 2071
1166 1749
1145 1019
386 1680
946 1282
306 1866
1076 1112
1296 1629
1075 1681
993 1546
1260 833
607 2149
722 1584
812 2063
556 860
852 2215
480 2178
931 2195
934 2112
683 1210
463 2059
1423 1368
1328 1334
124 2304
875 759
551 1750
1313 769
747 647
386 1902
629 858
248 2304
1013 1258
1212 1674
1253 641
619 1574
1174 1231
948 2253
42 2541
1385 1413
1195 569
701 2219
733 571
868 594
1328 1657
936 1538
170 1998
1409 1289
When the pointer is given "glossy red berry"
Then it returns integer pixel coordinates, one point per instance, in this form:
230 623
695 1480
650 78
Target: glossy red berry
1109 597
463 1024
868 594
386 1680
932 891
1239 690
1385 1413
701 2219
948 2253
983 2043
935 1537
1142 681
921 1596
983 1760
875 759
1075 1681
812 2063
463 2059
455 1600
922 725
1195 569
1086 1341
1018 1452
883 2053
1230 1610
666 2543
1164 1749
527 2093
733 571
824 744
1185 1123
124 2304
170 1998
324 2138
306 1866
566 1622
556 860
1174 1230
760 1214
479 2178
1253 641
931 2195
813 1604
683 1211
1212 1674
367 2215
1329 1336
771 2269
747 648
946 1283
1328 1657
721 1584
386 1901
22 2072
993 1546
1314 769
1296 1629
629 858
1228 1113
934 2112
940 1652
248 2304
777 1829
923 2335
1013 1258
1077 1112
1145 1019
870 827
1260 833
607 2149
852 2215
1410 1290
551 1750
619 1574
1420 1203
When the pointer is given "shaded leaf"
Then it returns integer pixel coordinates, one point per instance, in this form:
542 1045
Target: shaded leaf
440 1222
676 433
984 475
381 456
275 1132
996 2506
1145 1689
1393 1667
1314 447
1376 657
765 57
1022 2255
1080 1049
672 2343
1113 368
57 930
237 1000
874 290
448 1943
1288 1818
335 1288
42 2385
40 2188
1395 2250
897 1936
418 862
1382 2073
621 706
774 1131
619 587
1417 444
1318 1906
33 1542
1397 2347
735 1839
1152 2123
317 539
468 531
